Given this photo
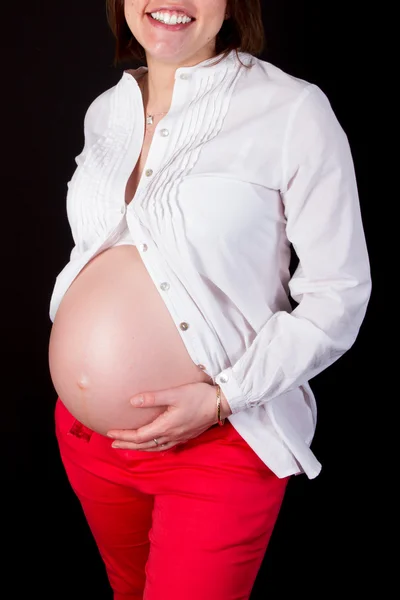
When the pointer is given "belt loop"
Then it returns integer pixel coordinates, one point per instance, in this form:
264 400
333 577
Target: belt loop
80 431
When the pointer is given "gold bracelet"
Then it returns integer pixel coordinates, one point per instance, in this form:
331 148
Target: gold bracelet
220 421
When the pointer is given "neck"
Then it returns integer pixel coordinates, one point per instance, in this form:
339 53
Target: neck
159 83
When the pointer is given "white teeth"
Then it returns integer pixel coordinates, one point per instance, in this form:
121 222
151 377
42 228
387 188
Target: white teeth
170 19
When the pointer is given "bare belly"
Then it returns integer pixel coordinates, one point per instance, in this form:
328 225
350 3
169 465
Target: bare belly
113 337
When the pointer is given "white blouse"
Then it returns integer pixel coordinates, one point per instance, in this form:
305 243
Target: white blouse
247 161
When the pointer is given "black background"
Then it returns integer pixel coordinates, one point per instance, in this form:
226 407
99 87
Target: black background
56 58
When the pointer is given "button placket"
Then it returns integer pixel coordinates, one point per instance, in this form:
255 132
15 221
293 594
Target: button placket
183 326
165 286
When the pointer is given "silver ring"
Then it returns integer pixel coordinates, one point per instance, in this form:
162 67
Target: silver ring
155 441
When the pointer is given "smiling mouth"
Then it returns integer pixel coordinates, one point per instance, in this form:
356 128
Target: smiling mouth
170 18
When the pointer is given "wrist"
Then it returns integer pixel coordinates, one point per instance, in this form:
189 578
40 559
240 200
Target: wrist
225 408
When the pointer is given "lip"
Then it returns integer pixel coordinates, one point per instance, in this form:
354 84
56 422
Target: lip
174 7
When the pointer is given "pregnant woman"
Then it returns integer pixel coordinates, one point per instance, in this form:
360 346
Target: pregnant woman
180 365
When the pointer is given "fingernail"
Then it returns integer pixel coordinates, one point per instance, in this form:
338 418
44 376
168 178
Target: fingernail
110 435
137 401
115 445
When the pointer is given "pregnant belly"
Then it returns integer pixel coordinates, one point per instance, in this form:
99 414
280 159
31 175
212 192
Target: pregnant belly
113 337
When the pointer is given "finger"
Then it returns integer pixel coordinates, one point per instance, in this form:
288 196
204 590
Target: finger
159 398
159 428
162 447
166 446
139 448
123 435
145 446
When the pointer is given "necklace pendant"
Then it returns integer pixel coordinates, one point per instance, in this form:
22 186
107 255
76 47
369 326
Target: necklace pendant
149 120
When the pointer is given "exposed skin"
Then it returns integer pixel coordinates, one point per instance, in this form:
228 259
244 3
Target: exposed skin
191 409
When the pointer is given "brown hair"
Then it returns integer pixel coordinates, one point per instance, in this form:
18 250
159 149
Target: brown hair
243 31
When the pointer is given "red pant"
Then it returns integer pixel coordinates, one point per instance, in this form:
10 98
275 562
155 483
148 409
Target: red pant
192 522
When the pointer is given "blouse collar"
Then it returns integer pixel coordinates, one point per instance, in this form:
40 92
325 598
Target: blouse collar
204 68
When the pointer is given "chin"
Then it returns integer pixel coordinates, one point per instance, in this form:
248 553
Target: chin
168 56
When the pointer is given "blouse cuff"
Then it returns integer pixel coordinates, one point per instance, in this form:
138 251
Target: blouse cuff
231 390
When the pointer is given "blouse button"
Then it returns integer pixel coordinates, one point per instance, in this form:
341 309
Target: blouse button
184 326
165 286
149 172
122 210
143 247
184 76
202 367
164 132
224 379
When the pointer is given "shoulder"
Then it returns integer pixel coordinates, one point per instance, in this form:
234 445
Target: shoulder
298 102
98 111
114 101
270 76
282 89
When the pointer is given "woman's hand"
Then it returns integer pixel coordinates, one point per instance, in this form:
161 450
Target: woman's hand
191 411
